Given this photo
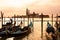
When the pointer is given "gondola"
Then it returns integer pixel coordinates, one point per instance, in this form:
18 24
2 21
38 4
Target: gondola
50 28
15 30
50 32
25 31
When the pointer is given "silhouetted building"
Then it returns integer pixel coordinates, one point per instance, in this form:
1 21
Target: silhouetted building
33 15
44 16
27 12
57 17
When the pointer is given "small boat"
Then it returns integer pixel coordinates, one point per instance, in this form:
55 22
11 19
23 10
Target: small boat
50 32
25 31
50 28
15 30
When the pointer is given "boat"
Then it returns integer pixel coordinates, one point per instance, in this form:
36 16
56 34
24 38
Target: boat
50 32
8 31
50 28
25 31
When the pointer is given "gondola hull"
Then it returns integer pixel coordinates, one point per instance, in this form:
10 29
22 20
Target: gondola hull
23 33
12 34
14 31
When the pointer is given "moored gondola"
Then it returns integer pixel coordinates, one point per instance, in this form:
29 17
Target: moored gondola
8 31
50 32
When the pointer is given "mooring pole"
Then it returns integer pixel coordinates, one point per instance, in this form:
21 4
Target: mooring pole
57 28
2 17
27 14
42 25
14 20
33 25
17 20
33 21
28 25
4 20
24 21
52 19
57 18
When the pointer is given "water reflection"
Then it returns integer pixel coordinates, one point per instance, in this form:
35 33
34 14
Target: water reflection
37 31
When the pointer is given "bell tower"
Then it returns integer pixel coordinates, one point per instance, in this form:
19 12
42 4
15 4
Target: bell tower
27 11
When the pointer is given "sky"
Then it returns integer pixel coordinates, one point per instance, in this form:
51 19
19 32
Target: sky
18 7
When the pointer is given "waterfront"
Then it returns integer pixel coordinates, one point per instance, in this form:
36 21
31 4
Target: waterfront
36 34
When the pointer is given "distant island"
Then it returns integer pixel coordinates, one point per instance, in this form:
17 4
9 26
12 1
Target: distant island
33 15
57 17
30 15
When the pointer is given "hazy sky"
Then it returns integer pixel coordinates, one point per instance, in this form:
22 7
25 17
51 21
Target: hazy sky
18 7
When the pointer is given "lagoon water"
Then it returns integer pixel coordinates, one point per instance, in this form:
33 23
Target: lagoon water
36 34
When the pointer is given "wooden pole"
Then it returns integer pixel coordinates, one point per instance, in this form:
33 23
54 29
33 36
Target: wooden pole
14 20
2 17
28 26
57 28
21 18
4 20
27 12
57 18
17 20
52 19
33 24
42 25
33 21
33 27
24 21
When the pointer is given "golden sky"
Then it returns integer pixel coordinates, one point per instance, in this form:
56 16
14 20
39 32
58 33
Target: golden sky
18 7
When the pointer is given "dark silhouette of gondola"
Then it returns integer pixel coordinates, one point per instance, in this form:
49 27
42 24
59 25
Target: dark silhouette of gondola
8 31
49 30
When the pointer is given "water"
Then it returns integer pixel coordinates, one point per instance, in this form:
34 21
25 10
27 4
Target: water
36 34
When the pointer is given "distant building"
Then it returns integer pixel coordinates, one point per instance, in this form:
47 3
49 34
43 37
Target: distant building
44 16
27 12
57 17
33 15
